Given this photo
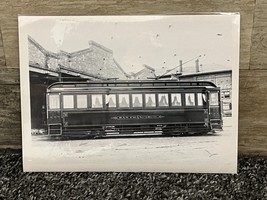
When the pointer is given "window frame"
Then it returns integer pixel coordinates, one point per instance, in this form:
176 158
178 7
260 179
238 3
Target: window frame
102 101
197 94
87 101
143 96
118 101
194 95
158 100
73 99
105 100
217 96
132 100
150 107
181 99
59 101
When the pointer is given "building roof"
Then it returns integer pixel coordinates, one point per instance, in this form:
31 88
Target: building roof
64 70
195 74
117 64
42 49
144 70
206 73
148 67
92 44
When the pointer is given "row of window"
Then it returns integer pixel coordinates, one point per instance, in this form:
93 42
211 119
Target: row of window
83 101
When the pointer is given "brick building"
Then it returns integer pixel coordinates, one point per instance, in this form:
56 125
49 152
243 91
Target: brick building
222 79
146 73
46 67
96 61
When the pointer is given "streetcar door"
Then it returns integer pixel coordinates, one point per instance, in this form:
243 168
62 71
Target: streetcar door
215 109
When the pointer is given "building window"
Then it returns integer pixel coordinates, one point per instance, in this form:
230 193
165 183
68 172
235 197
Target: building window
54 101
111 100
97 101
227 94
137 100
176 99
190 99
163 100
124 100
81 101
150 100
68 101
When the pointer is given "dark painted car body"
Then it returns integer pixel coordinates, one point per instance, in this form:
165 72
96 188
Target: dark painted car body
97 108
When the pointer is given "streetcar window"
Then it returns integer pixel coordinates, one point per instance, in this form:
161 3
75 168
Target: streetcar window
54 101
190 99
124 100
214 101
97 101
200 99
163 100
81 101
68 101
204 96
111 100
137 100
150 100
176 99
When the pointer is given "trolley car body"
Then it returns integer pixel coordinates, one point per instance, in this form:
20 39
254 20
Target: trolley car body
97 108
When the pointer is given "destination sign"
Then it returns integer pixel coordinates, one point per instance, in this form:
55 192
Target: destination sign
127 117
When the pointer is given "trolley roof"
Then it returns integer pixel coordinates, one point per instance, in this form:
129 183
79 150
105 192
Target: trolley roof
132 83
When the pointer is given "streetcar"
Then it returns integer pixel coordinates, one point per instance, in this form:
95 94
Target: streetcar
100 108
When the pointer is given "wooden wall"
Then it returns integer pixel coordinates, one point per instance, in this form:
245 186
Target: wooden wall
253 56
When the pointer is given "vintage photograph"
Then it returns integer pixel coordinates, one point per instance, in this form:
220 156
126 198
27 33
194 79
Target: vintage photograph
155 93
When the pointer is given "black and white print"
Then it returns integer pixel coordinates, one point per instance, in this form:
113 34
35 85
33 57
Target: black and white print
130 93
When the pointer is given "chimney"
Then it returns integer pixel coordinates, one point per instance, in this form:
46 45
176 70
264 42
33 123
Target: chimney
197 65
181 66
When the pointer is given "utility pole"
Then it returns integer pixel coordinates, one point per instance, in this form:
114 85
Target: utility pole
181 66
197 65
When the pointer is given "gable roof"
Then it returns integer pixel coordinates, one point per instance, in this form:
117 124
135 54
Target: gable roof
143 70
76 53
42 49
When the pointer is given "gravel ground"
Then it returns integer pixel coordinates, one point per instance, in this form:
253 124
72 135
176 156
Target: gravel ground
249 183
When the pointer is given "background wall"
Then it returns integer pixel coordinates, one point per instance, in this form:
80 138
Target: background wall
253 56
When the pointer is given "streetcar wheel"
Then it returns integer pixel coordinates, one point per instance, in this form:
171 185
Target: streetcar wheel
167 132
98 133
